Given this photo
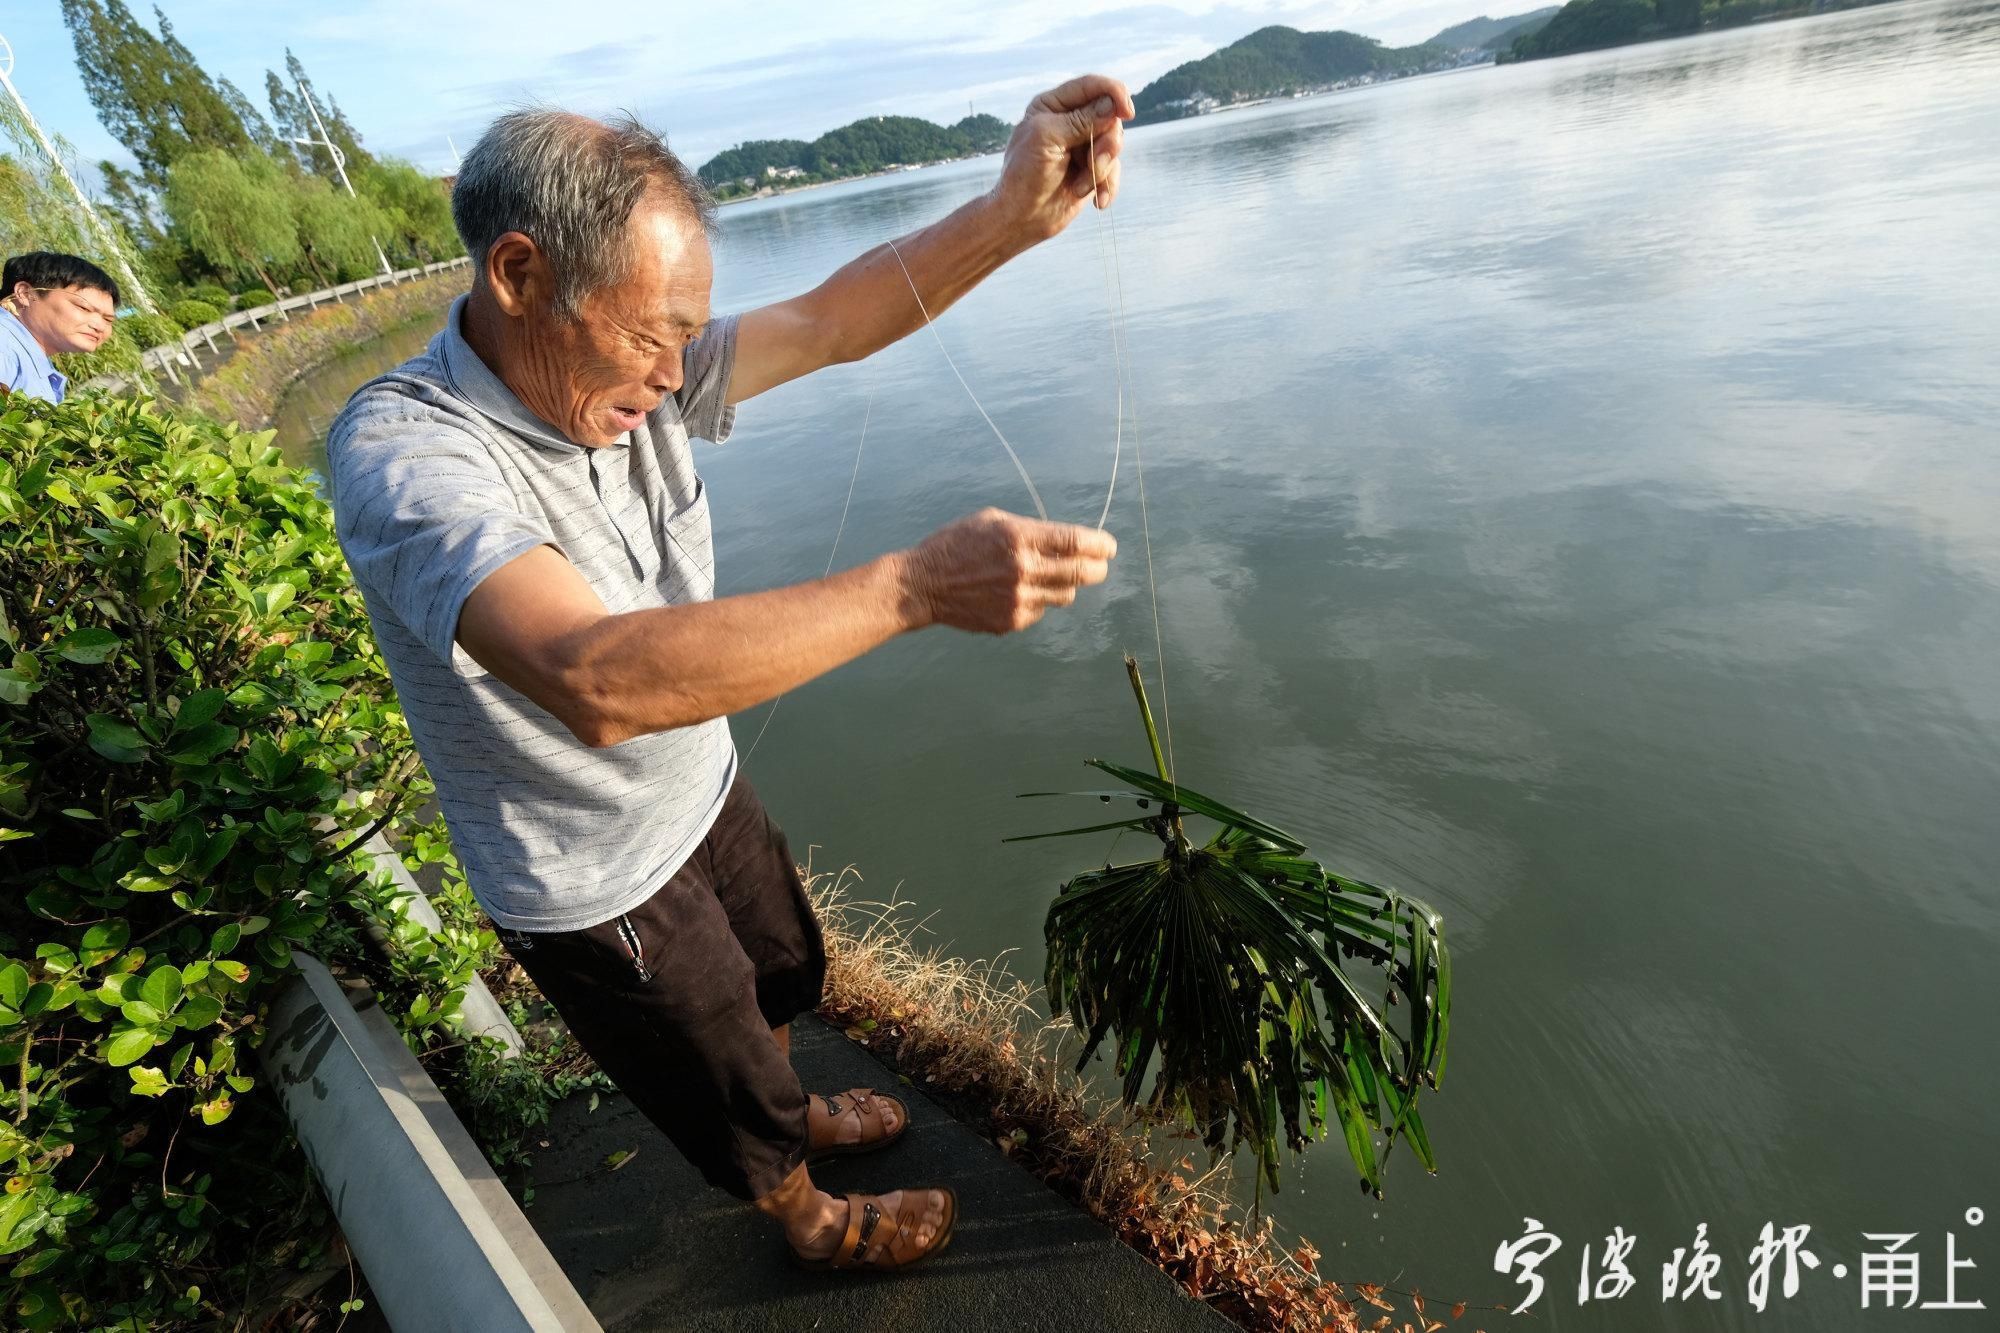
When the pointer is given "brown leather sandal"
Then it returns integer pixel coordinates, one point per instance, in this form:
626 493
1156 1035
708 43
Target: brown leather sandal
896 1246
862 1102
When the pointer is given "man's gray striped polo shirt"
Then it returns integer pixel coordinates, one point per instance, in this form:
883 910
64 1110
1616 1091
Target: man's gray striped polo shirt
439 476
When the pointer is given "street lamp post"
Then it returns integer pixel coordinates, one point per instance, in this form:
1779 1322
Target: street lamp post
325 141
105 234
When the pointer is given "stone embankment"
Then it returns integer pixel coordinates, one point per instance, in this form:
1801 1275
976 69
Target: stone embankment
237 368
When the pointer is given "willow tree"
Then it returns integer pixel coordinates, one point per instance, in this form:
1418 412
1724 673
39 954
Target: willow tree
149 91
294 120
416 210
38 210
335 229
236 212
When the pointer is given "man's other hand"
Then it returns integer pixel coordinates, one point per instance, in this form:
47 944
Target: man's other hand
993 572
1048 174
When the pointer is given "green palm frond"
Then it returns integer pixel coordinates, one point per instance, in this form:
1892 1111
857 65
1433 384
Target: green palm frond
1238 973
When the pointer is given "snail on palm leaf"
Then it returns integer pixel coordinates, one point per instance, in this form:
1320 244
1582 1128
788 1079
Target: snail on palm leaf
1235 970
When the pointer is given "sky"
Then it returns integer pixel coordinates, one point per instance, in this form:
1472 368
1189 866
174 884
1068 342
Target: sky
709 75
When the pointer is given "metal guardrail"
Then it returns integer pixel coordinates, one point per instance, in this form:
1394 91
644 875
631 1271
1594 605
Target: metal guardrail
444 1245
170 359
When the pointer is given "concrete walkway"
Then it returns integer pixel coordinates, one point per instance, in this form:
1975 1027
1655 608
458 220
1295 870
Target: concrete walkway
651 1247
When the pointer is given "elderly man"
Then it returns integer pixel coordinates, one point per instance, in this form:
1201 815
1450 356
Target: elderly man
49 304
521 510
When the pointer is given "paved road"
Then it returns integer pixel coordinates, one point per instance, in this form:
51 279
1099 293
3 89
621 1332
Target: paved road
651 1247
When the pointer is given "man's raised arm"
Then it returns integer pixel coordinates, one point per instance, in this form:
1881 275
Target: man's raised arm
1045 180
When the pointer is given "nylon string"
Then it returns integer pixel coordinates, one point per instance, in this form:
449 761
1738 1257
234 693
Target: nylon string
866 413
1115 284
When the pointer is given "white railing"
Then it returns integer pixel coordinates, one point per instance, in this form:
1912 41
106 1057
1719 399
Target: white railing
184 355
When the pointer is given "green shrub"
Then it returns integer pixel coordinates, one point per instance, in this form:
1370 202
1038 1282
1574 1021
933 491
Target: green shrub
190 688
212 292
192 313
253 297
119 355
149 331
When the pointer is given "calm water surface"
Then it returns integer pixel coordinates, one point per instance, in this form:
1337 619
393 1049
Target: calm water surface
1576 500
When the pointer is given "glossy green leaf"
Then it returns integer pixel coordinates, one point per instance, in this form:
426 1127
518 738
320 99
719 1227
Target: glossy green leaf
201 745
89 646
115 740
128 1045
199 709
104 939
272 598
198 1012
162 988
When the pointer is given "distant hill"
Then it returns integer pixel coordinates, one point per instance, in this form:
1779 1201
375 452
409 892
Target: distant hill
1592 25
1276 61
871 144
1503 45
1484 33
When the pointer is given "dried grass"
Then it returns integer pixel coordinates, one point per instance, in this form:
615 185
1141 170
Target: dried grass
972 1033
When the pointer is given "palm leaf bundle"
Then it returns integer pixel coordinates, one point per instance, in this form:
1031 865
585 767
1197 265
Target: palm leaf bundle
1239 973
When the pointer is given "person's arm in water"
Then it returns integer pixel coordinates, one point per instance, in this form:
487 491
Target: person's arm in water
1045 182
537 625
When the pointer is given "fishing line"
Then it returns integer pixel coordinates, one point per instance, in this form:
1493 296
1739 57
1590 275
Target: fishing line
930 324
1145 519
1116 284
866 414
1114 281
1110 259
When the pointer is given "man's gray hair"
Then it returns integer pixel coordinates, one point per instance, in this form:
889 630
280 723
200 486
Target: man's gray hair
569 184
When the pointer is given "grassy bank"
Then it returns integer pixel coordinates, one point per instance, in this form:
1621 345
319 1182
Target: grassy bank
249 385
972 1035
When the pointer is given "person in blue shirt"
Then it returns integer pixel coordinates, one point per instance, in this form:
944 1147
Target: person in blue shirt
50 304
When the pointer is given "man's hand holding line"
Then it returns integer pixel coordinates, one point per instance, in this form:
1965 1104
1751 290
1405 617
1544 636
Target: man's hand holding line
1046 177
537 625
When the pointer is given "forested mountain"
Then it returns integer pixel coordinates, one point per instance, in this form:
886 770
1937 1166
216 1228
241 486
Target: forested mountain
1591 25
1274 61
866 145
1483 33
1502 45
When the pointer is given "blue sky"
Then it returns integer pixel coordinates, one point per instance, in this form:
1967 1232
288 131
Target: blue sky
410 72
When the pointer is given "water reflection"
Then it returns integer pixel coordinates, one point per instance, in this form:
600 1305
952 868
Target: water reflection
311 404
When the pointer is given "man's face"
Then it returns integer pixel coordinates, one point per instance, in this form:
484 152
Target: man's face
65 319
598 376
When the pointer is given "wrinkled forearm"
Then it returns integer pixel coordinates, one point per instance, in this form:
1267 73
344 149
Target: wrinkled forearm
622 676
868 302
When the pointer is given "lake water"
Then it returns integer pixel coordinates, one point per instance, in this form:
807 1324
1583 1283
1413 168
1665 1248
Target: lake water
1576 500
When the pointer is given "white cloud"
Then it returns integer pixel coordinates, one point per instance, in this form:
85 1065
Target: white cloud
409 75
